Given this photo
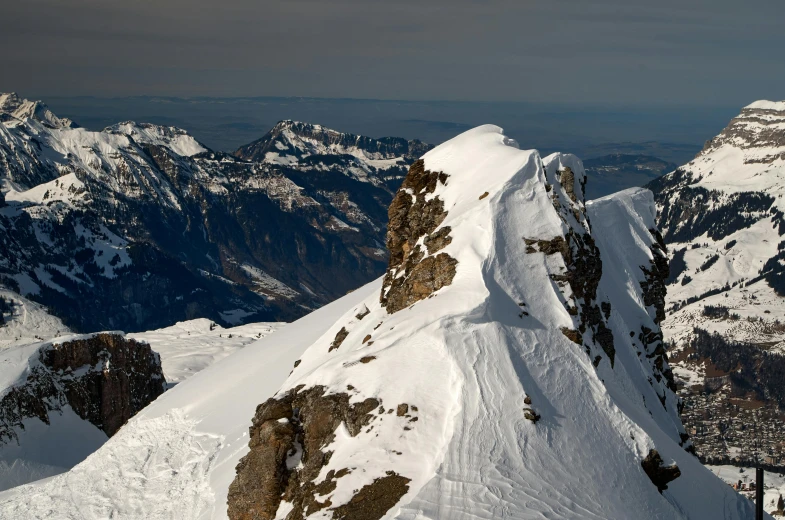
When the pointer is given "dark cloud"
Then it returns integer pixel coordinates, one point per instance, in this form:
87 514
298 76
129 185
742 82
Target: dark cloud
607 51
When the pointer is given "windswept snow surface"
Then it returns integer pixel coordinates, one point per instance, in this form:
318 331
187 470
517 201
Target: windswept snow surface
28 322
191 346
466 358
176 458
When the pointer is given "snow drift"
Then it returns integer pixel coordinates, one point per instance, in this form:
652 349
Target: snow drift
509 365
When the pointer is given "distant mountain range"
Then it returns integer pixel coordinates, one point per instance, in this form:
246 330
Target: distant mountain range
138 226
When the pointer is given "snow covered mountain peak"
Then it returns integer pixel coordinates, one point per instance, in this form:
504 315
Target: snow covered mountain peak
14 107
763 104
756 136
511 350
314 147
176 139
722 217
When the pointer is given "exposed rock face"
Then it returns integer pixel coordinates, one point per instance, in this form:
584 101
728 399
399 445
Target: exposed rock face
659 474
583 265
289 440
654 290
415 273
375 499
106 379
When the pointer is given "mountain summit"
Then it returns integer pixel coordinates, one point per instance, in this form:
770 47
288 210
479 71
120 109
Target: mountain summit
512 365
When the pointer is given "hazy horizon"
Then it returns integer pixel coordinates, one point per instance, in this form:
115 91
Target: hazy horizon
226 123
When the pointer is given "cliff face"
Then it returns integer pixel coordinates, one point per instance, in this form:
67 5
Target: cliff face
106 379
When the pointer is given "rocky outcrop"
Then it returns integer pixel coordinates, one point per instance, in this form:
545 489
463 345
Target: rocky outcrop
659 474
415 272
290 441
582 262
656 276
106 379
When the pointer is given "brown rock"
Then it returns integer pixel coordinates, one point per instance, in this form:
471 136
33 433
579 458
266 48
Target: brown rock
412 217
374 500
106 379
659 475
339 339
263 477
573 335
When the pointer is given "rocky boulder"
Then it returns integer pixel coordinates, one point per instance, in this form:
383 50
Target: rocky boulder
106 379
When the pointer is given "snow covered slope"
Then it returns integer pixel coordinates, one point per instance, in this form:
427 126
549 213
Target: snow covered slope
40 449
191 346
24 322
722 216
512 368
61 400
177 457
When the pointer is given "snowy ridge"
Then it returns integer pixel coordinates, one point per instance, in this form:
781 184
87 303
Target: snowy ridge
14 107
174 138
309 147
471 434
778 106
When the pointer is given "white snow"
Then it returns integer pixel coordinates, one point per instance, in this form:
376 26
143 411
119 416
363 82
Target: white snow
28 322
466 358
191 346
767 105
175 139
176 458
266 283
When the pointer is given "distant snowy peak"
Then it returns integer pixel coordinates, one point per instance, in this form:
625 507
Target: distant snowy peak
759 130
176 139
296 143
777 106
14 107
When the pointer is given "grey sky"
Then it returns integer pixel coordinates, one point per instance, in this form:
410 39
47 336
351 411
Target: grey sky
608 51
